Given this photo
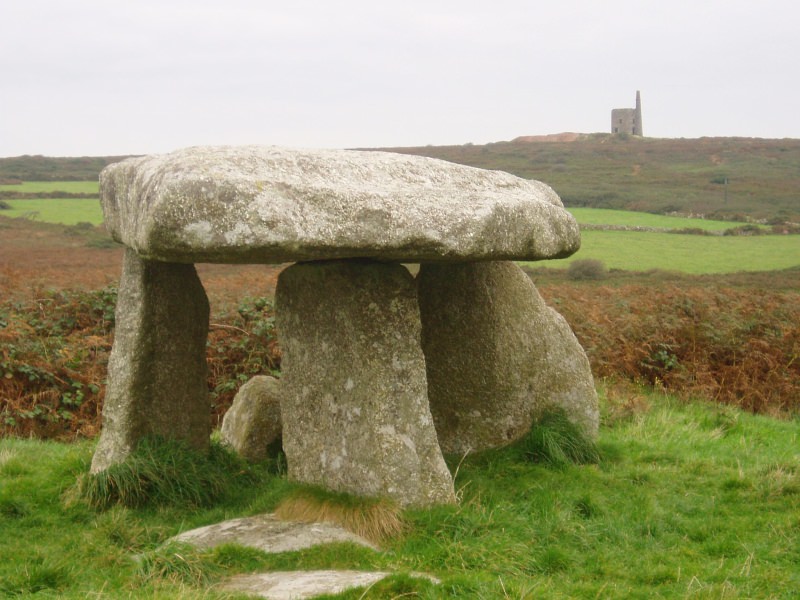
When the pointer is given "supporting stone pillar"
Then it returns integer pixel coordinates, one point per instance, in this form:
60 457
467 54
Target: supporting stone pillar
353 389
497 356
157 369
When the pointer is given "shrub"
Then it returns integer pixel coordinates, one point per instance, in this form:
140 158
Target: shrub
734 345
786 229
53 356
587 268
691 231
4 205
749 229
733 339
54 352
242 346
80 228
103 243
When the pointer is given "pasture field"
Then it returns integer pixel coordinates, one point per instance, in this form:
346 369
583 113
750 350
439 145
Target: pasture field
588 216
693 254
629 218
623 250
66 211
35 187
686 500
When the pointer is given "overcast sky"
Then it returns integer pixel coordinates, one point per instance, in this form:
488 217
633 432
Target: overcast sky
99 77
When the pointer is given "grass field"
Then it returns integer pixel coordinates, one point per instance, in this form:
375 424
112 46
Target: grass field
629 218
688 500
590 216
67 211
643 251
625 250
71 187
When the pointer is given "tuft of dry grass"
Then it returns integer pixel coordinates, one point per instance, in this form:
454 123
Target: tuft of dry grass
5 455
624 401
375 519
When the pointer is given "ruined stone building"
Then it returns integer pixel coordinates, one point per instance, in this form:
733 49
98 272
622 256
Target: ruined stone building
628 120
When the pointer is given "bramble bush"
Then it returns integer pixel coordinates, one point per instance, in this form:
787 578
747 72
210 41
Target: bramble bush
587 268
54 351
739 346
53 356
735 346
240 346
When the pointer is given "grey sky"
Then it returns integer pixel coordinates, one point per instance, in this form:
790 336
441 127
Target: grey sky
92 77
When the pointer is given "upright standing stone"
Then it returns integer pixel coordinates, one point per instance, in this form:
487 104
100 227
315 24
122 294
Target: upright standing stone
157 369
497 356
353 391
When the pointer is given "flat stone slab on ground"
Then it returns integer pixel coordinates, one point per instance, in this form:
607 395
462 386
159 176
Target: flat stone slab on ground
269 534
298 585
265 204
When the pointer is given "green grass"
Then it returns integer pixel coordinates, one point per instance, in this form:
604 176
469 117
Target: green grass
693 254
687 500
71 187
625 250
629 218
56 546
67 211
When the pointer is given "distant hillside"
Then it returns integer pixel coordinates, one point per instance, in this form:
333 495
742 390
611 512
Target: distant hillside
47 168
651 175
686 176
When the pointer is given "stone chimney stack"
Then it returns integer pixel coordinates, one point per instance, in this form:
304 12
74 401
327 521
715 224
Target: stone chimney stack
637 120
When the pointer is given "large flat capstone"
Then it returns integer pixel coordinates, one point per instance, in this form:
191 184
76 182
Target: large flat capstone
256 204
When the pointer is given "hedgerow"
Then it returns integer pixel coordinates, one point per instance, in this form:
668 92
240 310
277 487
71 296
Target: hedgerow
738 346
54 351
735 346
